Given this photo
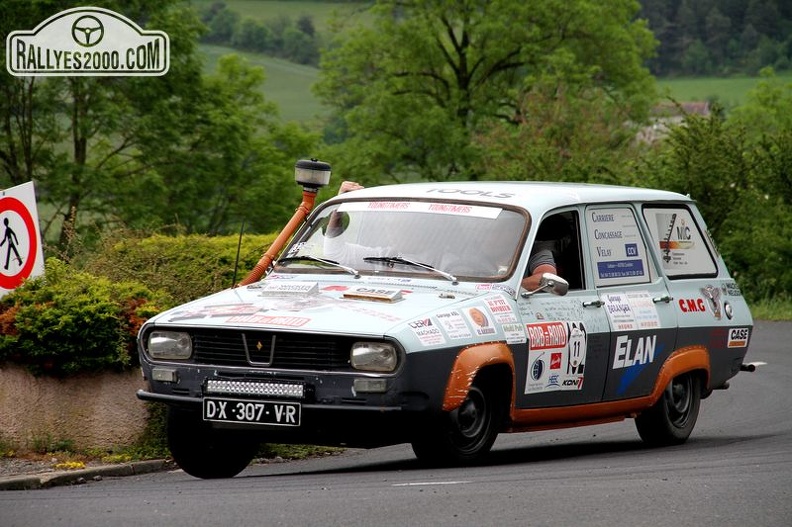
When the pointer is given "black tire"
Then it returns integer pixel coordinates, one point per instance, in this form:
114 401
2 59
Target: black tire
465 435
204 452
672 418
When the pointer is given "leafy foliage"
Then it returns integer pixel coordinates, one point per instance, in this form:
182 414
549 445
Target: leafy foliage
416 87
70 321
185 267
562 136
739 169
148 152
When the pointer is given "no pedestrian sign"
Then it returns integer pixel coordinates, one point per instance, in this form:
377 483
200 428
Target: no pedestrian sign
20 240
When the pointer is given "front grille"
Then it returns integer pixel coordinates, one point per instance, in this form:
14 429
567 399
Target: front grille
291 351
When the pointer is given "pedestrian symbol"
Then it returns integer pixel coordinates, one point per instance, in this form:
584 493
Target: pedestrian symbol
10 238
20 240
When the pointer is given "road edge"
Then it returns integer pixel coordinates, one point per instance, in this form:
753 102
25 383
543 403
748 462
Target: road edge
72 477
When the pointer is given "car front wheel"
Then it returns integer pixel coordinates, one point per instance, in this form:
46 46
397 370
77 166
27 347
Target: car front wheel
204 452
464 435
672 418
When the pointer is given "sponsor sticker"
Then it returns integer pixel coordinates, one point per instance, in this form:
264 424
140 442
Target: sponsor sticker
296 288
481 323
454 325
270 320
631 310
373 293
556 356
427 331
456 209
738 337
631 351
692 305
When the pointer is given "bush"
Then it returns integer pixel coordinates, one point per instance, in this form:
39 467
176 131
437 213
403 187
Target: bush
186 266
70 321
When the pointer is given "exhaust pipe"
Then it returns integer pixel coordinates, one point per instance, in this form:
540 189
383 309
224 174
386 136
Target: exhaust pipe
312 175
751 366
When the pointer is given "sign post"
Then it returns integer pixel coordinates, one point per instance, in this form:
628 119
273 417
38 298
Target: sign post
21 256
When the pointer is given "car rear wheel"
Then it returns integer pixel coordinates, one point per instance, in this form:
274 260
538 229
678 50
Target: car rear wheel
672 418
464 435
204 452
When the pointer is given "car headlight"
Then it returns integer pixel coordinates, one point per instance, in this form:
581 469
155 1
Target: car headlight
174 345
374 356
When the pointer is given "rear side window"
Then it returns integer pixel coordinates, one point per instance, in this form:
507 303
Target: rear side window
680 242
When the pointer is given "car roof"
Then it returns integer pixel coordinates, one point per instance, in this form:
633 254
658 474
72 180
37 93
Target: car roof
531 195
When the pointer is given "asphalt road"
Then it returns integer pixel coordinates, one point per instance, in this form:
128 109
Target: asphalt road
736 469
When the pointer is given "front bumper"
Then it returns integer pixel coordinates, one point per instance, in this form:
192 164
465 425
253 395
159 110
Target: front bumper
325 424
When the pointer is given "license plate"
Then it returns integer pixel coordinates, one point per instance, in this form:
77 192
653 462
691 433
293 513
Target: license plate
254 412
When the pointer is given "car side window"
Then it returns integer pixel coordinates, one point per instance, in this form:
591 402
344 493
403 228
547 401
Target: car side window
618 250
560 234
679 242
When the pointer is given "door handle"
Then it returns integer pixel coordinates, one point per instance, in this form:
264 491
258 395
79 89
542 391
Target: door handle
593 303
663 298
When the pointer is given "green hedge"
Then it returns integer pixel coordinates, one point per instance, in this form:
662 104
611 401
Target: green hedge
78 318
70 321
186 266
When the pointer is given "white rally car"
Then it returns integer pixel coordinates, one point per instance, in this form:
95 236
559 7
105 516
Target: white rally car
400 314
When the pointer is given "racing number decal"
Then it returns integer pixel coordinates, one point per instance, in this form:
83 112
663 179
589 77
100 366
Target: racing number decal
556 356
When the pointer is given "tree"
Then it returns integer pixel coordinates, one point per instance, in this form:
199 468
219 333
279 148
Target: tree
416 87
229 159
179 149
252 36
222 26
27 137
564 136
739 170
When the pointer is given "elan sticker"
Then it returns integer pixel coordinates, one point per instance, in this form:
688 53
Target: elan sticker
632 351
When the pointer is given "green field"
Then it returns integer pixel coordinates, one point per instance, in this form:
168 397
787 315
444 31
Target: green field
322 13
730 92
287 84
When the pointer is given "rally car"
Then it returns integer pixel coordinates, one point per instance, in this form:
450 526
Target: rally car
406 314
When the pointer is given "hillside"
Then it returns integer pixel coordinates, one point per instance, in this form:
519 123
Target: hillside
686 75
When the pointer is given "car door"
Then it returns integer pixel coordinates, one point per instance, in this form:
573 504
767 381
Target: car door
634 297
568 337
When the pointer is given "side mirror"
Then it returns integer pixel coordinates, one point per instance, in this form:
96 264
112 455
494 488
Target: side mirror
551 283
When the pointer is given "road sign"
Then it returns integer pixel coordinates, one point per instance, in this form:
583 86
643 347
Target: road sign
20 240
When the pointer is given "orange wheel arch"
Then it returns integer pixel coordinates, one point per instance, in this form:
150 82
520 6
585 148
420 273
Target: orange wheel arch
468 363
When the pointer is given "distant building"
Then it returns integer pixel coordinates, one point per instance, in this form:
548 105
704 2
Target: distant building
667 114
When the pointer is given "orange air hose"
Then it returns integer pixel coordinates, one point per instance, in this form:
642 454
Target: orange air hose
309 197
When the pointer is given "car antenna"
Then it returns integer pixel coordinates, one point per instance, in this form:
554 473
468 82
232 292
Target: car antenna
239 248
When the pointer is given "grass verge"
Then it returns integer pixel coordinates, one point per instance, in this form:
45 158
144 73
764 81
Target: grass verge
775 309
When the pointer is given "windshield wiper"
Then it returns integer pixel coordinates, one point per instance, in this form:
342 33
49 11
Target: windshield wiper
310 258
405 261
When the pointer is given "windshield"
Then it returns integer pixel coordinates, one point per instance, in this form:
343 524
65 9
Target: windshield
431 239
